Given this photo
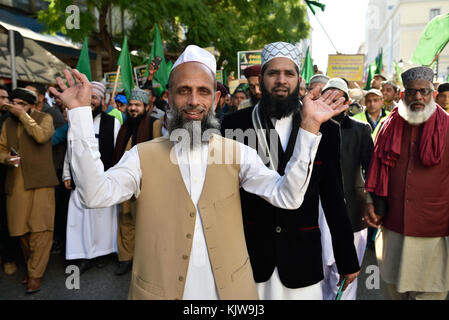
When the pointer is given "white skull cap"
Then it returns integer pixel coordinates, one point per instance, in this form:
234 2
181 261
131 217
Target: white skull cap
283 50
194 53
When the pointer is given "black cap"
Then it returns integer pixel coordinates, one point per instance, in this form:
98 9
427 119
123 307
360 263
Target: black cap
24 94
443 87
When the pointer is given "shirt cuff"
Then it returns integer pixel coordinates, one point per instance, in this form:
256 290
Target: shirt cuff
80 123
308 145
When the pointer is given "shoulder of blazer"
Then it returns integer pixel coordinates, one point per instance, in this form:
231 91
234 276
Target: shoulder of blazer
238 120
329 128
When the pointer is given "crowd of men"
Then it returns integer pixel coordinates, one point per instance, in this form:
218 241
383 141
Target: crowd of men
273 191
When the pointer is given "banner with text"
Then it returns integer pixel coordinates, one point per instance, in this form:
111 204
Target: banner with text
348 66
246 59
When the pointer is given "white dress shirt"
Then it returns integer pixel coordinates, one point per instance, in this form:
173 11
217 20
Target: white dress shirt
99 189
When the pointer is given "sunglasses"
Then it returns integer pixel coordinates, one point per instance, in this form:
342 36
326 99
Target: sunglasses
422 91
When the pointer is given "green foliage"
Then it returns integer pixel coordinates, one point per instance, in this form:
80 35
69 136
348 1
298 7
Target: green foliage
228 25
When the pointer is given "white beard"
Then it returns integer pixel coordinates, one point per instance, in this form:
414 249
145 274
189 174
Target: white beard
416 117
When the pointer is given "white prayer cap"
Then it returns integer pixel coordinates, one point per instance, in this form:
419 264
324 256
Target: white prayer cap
337 83
194 53
283 50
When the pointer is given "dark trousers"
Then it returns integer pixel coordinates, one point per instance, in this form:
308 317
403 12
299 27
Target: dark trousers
8 245
62 196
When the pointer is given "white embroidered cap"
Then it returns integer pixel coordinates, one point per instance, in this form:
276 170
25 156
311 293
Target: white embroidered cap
194 53
281 49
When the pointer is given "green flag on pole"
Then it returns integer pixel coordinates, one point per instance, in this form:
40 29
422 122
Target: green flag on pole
157 50
83 65
432 40
371 72
379 63
315 5
307 68
126 70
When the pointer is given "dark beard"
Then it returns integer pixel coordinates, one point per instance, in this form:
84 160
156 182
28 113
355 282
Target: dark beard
253 98
279 108
133 123
96 111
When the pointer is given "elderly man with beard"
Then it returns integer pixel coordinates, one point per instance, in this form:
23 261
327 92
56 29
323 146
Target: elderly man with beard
284 244
139 127
25 147
92 233
409 180
189 239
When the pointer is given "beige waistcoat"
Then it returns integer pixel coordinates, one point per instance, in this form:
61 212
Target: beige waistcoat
165 223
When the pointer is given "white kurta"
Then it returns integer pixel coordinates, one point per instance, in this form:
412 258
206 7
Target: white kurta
331 275
273 289
90 232
123 180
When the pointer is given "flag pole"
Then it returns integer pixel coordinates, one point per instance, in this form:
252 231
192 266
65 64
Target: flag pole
115 82
325 33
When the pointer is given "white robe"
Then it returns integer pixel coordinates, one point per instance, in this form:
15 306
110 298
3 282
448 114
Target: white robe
90 232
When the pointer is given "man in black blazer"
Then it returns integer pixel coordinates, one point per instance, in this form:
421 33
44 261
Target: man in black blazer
356 150
284 245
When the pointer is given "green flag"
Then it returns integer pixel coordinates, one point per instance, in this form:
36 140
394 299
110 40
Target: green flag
315 5
379 63
157 50
126 70
83 65
371 72
432 41
307 68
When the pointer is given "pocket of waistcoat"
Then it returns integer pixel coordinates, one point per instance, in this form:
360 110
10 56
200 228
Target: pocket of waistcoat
147 286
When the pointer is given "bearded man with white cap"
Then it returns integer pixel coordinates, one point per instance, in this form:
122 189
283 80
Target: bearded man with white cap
284 244
409 181
92 233
189 239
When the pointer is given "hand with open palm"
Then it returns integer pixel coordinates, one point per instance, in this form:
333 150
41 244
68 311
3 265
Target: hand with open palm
315 112
79 90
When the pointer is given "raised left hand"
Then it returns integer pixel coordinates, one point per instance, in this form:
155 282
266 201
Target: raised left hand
76 94
315 112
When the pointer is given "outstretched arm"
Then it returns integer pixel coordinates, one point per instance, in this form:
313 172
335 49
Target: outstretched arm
288 191
96 188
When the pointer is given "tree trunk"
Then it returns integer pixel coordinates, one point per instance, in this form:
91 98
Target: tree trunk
105 36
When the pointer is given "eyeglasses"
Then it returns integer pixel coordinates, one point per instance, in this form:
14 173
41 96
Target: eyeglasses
422 91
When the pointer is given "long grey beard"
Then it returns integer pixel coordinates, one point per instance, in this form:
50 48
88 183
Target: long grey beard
416 117
190 131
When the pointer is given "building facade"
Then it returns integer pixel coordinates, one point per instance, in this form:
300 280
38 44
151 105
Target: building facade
396 27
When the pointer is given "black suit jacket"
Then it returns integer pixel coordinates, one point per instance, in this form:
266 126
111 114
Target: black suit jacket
291 239
356 150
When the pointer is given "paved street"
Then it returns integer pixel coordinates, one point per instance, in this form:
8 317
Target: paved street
103 284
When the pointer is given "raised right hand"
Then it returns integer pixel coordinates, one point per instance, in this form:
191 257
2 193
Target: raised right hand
76 94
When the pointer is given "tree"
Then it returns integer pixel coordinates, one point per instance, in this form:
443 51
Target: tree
228 25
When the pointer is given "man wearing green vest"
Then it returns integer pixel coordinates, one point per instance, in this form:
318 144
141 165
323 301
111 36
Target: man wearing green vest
374 114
